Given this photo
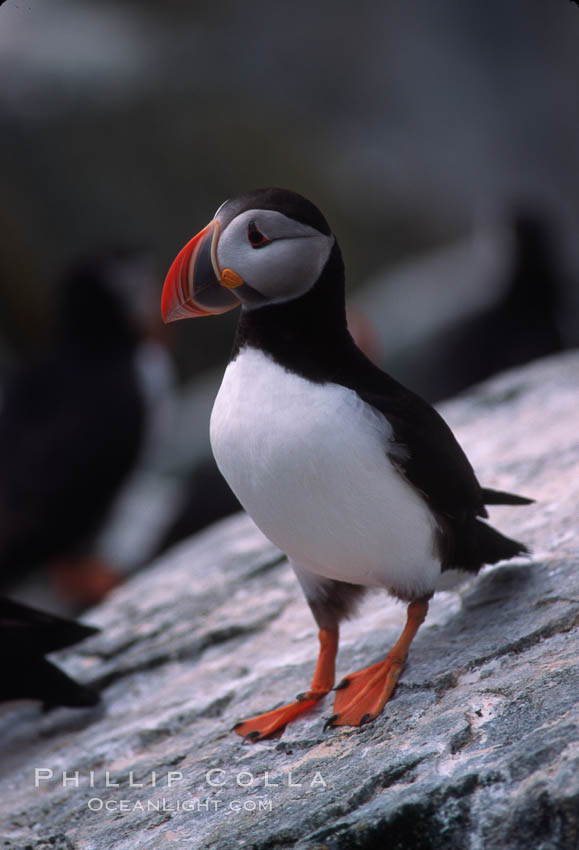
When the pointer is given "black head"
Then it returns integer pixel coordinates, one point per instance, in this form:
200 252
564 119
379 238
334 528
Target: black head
268 246
105 300
279 200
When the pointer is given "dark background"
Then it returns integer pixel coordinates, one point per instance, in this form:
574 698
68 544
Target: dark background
408 124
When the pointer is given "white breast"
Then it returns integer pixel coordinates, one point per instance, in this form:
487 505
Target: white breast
308 462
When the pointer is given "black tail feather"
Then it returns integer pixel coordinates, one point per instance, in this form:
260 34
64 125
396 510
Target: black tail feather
478 544
494 546
499 497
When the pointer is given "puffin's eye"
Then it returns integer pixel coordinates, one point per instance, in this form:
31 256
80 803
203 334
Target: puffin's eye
255 236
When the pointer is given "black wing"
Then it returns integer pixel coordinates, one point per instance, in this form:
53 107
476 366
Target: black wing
431 458
432 461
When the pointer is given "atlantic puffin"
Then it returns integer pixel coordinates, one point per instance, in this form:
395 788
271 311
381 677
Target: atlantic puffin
519 270
355 478
71 426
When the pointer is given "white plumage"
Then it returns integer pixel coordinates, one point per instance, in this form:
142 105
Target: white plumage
309 463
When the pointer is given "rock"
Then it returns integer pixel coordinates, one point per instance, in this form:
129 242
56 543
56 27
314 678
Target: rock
478 748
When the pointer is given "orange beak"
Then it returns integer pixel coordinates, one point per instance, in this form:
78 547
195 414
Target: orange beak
194 284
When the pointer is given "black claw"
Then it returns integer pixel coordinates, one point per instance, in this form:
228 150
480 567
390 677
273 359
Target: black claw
365 719
343 684
252 736
237 725
301 697
330 722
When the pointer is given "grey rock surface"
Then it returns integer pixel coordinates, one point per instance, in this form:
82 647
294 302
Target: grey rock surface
478 749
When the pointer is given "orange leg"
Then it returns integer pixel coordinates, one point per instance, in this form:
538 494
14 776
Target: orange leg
274 721
361 696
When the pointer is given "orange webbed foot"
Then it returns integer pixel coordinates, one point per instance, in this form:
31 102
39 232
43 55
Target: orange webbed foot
274 722
361 696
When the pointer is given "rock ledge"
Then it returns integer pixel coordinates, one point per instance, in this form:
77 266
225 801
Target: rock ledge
478 749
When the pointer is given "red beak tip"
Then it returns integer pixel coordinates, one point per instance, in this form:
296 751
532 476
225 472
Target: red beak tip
178 300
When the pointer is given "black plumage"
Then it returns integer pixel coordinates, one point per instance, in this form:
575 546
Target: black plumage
70 424
26 636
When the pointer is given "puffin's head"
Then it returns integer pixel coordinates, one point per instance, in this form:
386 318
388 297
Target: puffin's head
265 247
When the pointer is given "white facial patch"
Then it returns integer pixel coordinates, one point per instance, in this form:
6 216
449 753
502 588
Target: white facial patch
284 268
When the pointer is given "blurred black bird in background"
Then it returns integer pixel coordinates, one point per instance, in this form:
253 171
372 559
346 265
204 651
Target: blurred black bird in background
505 295
92 485
71 427
522 325
206 498
26 636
